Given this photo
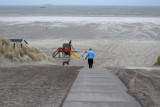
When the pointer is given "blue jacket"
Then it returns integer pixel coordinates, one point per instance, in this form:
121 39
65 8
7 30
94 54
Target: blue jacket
90 54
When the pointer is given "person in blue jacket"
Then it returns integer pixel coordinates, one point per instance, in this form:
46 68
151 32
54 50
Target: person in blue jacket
90 55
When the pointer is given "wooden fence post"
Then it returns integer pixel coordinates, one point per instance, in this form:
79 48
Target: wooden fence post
14 45
21 45
2 44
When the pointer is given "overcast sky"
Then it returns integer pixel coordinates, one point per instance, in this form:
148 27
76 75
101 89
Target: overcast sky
82 2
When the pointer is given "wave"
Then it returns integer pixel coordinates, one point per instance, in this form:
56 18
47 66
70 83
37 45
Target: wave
30 19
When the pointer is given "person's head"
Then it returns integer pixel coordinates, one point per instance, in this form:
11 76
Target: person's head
90 48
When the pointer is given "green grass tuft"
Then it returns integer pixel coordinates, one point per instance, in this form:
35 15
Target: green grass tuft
158 61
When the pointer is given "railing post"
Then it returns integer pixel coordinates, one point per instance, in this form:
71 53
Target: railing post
59 55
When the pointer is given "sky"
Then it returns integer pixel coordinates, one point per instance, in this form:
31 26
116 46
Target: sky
82 2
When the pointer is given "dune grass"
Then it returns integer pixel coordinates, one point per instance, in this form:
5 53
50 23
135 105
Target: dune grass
24 54
158 61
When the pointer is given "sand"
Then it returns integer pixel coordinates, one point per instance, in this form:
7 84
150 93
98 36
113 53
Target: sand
33 86
143 84
118 53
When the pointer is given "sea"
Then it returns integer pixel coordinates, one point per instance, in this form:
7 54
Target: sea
80 22
120 35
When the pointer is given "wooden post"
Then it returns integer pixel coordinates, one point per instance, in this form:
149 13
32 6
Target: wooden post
14 45
21 45
2 44
59 54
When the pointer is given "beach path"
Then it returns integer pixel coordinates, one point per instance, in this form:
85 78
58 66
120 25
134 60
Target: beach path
98 87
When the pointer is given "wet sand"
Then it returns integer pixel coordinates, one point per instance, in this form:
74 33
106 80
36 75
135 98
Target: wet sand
32 86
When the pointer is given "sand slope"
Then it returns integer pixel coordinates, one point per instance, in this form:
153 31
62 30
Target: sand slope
142 83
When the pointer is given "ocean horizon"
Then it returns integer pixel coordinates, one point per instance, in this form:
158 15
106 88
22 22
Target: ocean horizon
66 10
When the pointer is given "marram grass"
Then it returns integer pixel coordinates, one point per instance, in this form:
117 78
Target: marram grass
158 61
24 54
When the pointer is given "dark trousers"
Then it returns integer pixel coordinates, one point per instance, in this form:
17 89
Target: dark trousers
90 63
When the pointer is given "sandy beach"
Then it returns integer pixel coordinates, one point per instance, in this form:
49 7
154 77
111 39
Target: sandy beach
117 41
118 53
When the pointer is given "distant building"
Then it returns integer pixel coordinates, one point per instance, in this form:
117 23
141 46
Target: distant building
18 40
